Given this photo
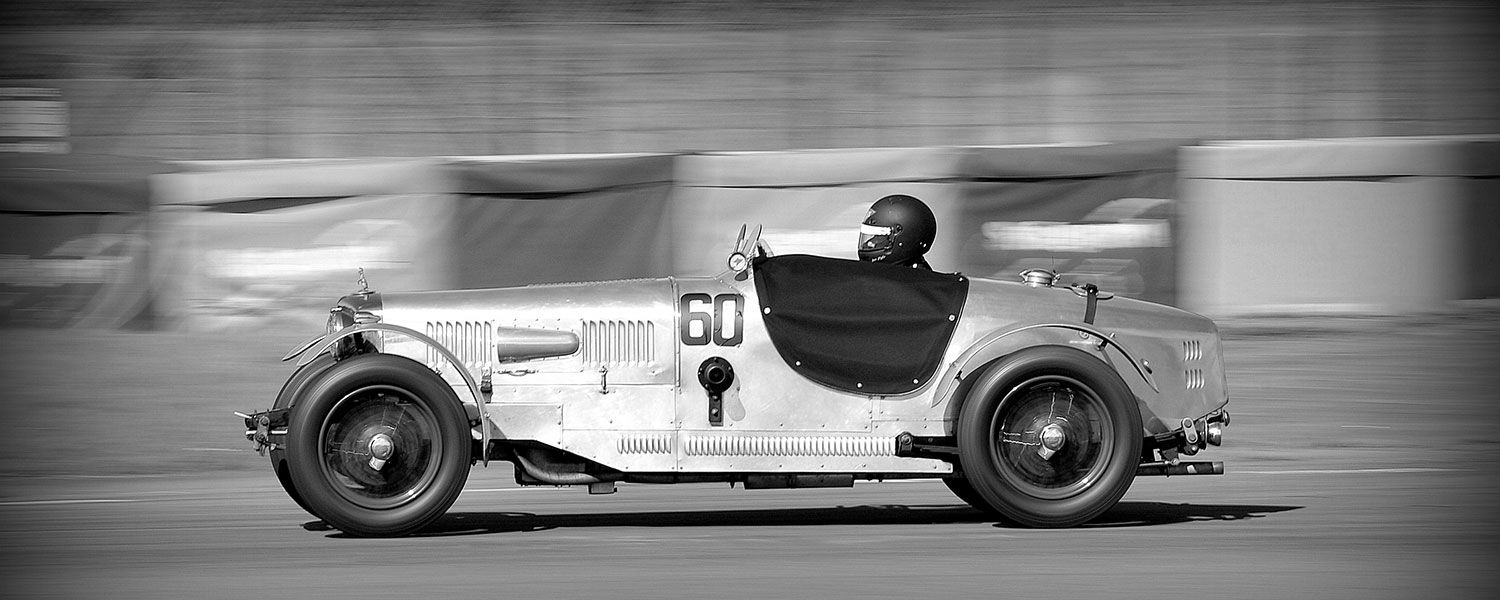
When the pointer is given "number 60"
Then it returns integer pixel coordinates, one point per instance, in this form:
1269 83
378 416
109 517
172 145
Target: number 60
724 326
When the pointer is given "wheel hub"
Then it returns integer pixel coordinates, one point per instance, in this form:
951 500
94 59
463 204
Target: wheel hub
381 449
1053 437
1052 442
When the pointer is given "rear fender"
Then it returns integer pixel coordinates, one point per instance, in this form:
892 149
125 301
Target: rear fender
957 379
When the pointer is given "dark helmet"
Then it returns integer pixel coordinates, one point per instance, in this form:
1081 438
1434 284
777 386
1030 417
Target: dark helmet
899 229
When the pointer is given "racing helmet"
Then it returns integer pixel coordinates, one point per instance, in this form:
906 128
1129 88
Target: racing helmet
899 229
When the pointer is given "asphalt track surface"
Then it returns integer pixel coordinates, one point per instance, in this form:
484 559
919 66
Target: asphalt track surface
1362 463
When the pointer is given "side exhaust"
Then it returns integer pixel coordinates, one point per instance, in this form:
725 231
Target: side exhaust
1166 469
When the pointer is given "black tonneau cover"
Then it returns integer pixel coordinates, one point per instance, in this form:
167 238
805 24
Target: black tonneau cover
859 327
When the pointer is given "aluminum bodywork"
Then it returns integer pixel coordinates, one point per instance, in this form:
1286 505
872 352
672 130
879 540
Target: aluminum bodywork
627 395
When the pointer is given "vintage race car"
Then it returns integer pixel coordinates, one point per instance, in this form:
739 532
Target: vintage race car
1037 403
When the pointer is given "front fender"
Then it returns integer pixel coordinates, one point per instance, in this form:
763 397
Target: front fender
327 342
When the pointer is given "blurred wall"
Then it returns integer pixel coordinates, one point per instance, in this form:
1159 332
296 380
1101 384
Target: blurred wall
1351 225
1363 225
808 201
272 243
75 241
202 79
520 220
1096 213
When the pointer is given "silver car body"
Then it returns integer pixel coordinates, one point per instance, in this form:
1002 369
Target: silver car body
628 398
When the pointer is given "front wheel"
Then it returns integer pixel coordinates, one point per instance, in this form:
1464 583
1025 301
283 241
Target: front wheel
289 393
1052 437
378 446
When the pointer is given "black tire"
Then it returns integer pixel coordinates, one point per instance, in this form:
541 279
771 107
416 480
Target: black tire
961 487
290 391
1000 430
364 407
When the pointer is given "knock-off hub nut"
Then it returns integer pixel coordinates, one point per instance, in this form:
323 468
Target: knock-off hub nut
381 449
1053 438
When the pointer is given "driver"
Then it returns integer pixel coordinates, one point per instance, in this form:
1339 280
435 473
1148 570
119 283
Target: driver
898 230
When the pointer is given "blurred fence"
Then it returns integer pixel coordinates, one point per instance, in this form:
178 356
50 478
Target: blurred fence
1346 226
1373 225
74 240
260 79
261 242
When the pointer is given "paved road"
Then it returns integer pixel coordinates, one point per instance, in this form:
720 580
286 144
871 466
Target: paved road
1366 531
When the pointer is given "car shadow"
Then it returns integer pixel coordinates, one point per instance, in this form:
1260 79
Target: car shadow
1124 514
1142 514
462 523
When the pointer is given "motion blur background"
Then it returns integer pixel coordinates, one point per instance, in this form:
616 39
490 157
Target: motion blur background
1328 156
208 79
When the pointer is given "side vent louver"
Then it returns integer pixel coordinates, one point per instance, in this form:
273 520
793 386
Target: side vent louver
618 342
471 341
646 444
789 446
1192 351
1195 379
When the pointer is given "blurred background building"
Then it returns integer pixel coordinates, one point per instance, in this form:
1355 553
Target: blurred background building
211 162
209 79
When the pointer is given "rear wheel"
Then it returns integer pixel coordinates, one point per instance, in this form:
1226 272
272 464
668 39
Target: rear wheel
378 446
1052 439
961 487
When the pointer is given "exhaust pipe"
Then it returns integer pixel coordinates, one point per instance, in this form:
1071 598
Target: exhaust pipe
1166 469
539 467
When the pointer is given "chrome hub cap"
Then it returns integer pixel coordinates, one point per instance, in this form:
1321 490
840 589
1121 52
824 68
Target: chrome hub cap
1053 437
378 447
381 449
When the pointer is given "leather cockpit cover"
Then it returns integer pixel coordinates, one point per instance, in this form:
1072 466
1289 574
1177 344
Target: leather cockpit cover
856 326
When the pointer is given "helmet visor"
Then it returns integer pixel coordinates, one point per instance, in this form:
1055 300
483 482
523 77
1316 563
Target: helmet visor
874 237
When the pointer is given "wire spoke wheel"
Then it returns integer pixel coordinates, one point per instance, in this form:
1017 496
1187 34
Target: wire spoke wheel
1056 404
377 446
1049 437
